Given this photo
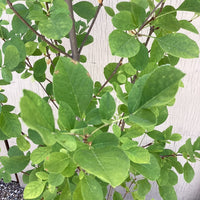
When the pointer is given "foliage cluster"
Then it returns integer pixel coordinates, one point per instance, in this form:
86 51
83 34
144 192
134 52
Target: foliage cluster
93 146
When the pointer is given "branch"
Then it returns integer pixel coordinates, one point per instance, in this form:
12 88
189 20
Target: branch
113 73
72 34
91 26
42 37
146 20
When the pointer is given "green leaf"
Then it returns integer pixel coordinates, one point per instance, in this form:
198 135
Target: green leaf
184 24
167 192
37 114
175 137
35 137
12 57
159 88
105 139
190 5
167 20
156 135
93 117
3 98
107 106
156 52
66 117
179 45
91 189
144 118
117 196
163 114
30 47
143 187
72 77
6 177
22 143
81 37
116 130
0 58
85 10
173 178
56 162
142 3
134 131
138 155
10 124
39 69
19 44
77 195
189 150
6 74
137 11
66 192
67 141
15 151
34 189
163 178
109 11
59 22
39 154
55 179
140 60
99 161
123 21
14 164
151 171
42 175
123 45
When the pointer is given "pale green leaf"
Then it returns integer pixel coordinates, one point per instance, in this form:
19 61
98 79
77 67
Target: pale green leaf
34 189
56 162
55 179
122 44
188 26
100 162
22 143
190 5
138 155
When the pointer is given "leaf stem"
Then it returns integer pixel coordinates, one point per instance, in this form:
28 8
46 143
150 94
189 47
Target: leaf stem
91 26
42 37
72 34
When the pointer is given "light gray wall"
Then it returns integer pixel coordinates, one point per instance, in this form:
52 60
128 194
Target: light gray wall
184 115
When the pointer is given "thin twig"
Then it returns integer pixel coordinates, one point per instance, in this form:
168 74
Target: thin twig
129 189
48 95
113 73
91 26
109 192
146 20
42 37
72 34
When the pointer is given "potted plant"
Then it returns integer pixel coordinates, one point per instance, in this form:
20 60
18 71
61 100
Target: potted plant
95 144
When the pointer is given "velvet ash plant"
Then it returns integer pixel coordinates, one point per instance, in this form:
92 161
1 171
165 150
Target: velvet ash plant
95 144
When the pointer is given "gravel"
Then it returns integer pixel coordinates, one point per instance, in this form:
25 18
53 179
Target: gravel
11 191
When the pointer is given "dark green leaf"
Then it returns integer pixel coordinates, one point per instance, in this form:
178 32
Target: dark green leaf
93 117
167 192
6 74
107 106
72 77
179 45
37 114
14 164
85 10
39 69
188 26
35 137
151 171
109 11
123 21
140 60
190 5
